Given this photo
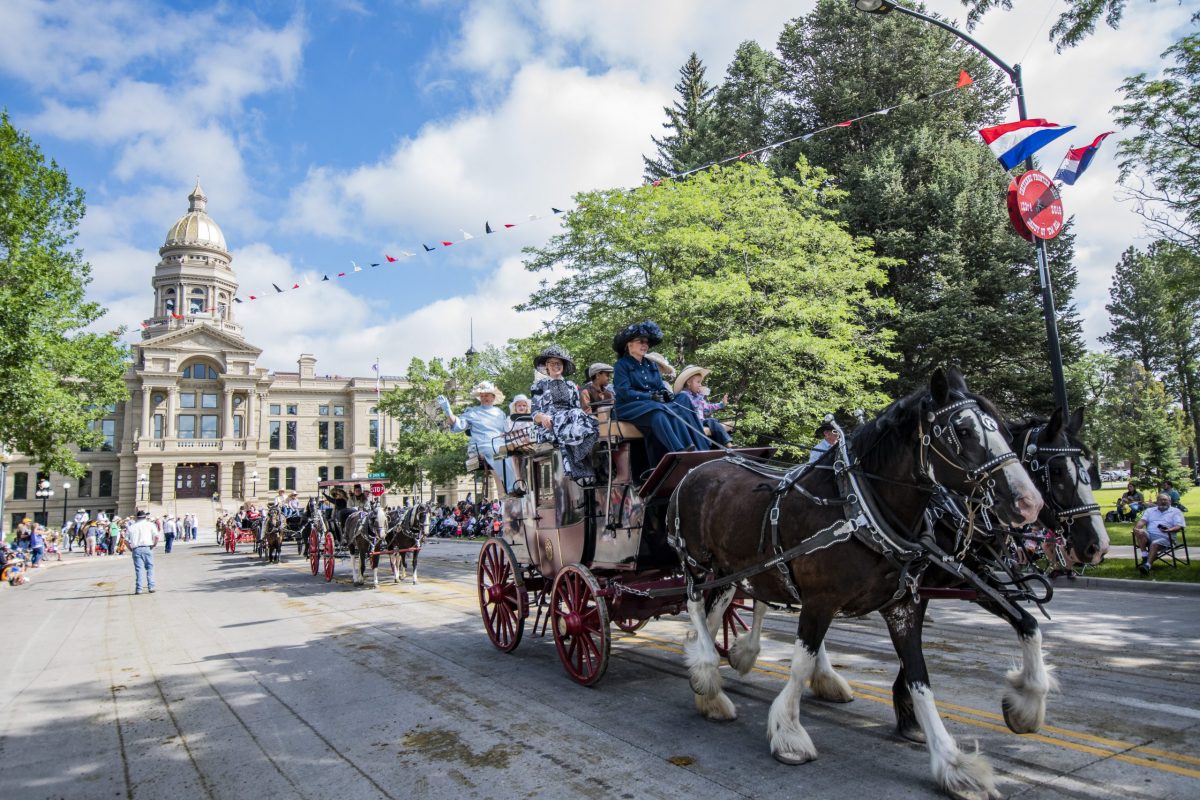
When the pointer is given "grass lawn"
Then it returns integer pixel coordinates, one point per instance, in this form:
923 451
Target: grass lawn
1122 532
1127 568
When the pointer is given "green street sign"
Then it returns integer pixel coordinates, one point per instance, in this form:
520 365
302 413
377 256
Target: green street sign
373 475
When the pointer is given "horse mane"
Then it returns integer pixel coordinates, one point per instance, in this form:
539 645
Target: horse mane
875 443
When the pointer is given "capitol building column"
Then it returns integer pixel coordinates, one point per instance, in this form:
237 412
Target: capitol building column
145 429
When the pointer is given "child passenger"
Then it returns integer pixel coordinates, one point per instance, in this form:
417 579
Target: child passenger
692 395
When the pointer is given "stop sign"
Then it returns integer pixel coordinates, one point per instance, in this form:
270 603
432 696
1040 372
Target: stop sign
376 490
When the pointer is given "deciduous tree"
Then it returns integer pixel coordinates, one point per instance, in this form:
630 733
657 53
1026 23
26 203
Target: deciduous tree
56 375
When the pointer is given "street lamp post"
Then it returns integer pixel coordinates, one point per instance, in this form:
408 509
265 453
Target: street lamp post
45 493
1014 74
66 496
143 481
254 485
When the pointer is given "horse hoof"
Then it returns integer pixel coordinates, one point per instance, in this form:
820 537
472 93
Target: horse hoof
793 759
914 734
1015 723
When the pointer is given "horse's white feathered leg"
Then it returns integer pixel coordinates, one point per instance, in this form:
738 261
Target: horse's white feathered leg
702 661
790 743
394 559
964 775
1024 702
355 577
827 684
743 654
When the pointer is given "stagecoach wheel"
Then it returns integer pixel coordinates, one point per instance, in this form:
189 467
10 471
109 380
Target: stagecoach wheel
734 624
579 617
328 557
503 603
314 553
630 625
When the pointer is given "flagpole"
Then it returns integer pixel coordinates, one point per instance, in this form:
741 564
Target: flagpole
1014 74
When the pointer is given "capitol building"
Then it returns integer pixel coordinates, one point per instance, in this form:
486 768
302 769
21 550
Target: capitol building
205 427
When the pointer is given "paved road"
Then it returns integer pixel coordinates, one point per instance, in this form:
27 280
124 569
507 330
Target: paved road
237 680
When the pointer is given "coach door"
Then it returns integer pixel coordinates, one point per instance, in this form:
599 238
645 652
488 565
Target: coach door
195 480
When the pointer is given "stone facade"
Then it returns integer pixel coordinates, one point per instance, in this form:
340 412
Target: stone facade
203 419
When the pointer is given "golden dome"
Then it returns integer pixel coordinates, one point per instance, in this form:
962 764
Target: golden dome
196 227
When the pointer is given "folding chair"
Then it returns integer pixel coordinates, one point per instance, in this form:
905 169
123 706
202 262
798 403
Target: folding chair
1171 553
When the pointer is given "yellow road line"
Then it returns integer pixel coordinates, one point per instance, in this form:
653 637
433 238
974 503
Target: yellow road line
1119 750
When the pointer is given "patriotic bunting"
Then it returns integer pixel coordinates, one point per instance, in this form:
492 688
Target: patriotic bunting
1012 143
1078 159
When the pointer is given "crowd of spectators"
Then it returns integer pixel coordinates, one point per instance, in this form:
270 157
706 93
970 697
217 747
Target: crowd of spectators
466 518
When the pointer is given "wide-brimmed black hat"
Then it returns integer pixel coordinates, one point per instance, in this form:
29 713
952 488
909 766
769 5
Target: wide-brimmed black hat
142 513
648 329
554 351
824 426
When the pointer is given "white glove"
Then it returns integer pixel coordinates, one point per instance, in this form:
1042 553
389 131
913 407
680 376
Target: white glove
443 404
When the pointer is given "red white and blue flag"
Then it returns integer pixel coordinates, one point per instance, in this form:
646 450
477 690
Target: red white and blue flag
1013 142
1077 160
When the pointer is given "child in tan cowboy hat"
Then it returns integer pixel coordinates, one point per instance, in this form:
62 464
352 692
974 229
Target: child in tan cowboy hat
692 395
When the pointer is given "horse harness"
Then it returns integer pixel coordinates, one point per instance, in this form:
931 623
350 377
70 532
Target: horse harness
864 519
1038 457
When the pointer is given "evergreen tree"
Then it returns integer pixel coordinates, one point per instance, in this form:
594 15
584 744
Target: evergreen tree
57 377
1137 322
743 106
689 122
919 182
1077 21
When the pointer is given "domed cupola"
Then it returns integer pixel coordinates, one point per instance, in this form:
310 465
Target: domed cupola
196 228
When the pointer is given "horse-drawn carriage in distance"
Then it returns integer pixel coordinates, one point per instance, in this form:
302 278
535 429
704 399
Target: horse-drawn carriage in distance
359 525
588 557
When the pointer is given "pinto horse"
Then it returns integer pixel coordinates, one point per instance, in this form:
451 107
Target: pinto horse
405 531
363 532
841 538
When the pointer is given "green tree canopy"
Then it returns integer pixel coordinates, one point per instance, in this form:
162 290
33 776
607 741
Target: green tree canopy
748 274
57 376
1160 163
922 186
1077 21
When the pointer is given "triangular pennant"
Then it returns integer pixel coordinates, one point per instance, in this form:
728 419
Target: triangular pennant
845 124
277 288
883 112
389 258
428 249
341 274
510 224
252 297
376 264
447 244
487 227
555 210
237 299
295 286
325 278
808 136
963 79
466 235
407 254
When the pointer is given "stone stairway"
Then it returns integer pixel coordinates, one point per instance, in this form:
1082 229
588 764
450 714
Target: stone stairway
202 508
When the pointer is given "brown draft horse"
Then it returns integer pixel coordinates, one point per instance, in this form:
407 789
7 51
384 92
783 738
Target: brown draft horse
405 531
858 562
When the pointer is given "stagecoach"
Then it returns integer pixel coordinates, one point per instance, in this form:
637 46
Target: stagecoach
588 558
233 536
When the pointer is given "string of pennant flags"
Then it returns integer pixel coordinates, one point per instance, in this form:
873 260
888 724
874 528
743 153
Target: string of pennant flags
1011 143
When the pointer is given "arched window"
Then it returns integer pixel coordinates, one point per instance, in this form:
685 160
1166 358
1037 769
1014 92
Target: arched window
196 303
199 372
169 301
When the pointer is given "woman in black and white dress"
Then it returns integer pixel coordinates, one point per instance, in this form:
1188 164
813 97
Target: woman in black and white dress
559 416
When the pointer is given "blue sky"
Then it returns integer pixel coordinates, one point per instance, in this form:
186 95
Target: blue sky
337 131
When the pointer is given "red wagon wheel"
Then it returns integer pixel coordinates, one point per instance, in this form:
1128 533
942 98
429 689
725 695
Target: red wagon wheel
328 557
734 623
314 553
630 625
503 602
579 617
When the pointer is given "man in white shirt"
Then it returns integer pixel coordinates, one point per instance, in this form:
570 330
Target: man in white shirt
168 529
1153 531
829 438
142 536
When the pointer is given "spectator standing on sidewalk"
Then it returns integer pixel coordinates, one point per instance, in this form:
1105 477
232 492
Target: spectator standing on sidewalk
143 536
37 545
168 529
196 526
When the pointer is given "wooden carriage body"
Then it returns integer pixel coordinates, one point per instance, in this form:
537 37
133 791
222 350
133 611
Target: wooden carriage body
581 558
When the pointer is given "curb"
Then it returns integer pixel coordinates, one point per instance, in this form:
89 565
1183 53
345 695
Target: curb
1149 586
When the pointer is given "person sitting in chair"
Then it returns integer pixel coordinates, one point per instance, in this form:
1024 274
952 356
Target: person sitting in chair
560 416
1130 504
643 399
1154 530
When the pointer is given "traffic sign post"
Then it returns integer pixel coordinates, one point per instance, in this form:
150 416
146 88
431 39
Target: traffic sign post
377 490
1034 206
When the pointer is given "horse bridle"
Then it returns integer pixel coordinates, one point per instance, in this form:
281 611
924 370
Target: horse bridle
1031 453
941 432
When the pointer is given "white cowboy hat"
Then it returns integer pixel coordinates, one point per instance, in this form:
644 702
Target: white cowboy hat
487 387
687 374
515 400
664 366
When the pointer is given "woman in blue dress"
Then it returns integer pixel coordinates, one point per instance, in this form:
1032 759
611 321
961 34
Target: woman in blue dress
643 399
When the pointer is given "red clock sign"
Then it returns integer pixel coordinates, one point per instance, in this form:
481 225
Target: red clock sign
1034 206
376 490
